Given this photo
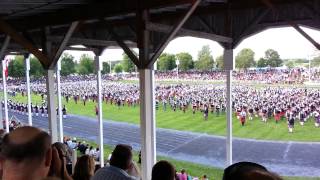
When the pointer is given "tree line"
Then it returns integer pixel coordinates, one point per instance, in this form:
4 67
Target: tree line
166 62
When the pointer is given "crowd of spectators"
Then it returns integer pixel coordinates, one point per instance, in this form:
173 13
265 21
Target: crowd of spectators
268 75
28 154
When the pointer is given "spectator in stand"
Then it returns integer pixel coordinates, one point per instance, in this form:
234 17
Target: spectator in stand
82 147
248 171
120 163
84 169
65 155
204 177
163 170
27 154
183 175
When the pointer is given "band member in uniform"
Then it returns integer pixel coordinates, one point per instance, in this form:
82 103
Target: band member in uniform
250 113
302 116
42 111
36 109
243 115
205 112
194 107
277 115
264 115
290 117
97 110
217 109
316 119
64 112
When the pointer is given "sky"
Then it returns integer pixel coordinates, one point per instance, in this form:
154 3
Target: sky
287 41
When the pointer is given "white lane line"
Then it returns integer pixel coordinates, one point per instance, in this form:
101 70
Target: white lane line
287 150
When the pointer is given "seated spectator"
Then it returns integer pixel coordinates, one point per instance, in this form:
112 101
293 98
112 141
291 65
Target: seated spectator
84 168
248 171
183 175
120 164
204 177
97 154
65 156
163 170
26 154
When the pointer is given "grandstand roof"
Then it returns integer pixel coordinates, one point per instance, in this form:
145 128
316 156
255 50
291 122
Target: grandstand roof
226 21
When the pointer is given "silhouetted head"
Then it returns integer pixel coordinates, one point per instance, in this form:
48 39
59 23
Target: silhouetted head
163 170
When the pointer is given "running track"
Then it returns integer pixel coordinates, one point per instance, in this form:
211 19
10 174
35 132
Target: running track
285 158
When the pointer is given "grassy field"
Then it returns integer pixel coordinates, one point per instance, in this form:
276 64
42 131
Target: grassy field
192 168
188 122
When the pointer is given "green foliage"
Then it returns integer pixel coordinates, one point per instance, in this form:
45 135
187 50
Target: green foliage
273 58
86 65
68 65
118 68
36 68
16 67
127 64
245 59
315 62
205 60
300 61
105 68
166 62
219 62
185 60
290 64
262 62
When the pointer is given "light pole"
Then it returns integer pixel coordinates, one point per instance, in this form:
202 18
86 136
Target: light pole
177 63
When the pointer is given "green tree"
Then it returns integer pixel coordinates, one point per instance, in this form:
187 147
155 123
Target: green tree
300 61
166 62
315 62
86 65
127 64
245 59
118 68
185 61
16 67
262 62
36 68
105 68
205 60
68 65
290 64
273 58
219 62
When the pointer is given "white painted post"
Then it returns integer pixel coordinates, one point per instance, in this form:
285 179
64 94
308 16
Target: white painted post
5 98
98 64
147 122
229 66
51 102
27 64
58 69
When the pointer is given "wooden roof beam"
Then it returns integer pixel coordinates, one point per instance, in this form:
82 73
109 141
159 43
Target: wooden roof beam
89 42
172 32
63 44
4 47
21 40
305 35
186 32
122 44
